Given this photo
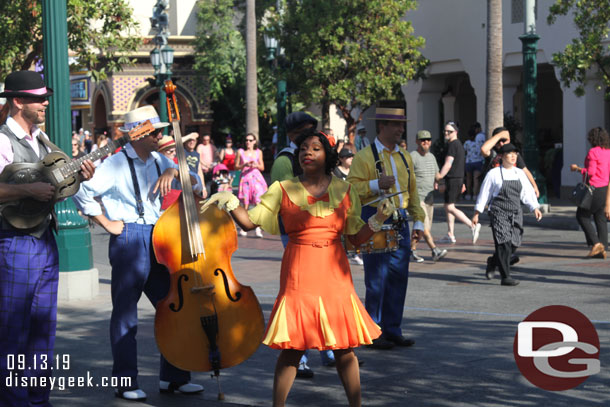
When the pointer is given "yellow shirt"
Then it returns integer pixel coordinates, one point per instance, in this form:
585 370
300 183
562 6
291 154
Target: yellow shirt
363 176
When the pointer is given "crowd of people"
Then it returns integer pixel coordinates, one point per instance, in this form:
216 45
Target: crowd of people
325 195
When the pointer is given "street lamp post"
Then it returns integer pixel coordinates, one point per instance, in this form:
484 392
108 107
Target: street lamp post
530 98
77 278
273 57
162 61
162 56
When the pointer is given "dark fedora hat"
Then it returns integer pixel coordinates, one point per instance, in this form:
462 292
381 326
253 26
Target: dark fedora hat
25 84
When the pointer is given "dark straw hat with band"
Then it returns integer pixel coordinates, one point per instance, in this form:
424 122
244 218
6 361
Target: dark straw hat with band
25 84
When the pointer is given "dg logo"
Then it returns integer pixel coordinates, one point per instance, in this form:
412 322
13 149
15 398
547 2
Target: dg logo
556 348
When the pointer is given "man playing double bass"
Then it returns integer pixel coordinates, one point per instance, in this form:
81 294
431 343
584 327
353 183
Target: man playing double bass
377 169
130 184
29 261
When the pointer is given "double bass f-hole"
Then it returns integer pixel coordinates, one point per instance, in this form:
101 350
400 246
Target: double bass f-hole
226 283
172 306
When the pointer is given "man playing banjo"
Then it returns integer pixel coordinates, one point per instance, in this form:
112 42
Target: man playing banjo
379 169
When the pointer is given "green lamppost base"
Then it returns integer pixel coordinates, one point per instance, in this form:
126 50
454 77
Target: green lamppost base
77 277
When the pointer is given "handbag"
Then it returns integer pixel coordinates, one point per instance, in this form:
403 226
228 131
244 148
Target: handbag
582 195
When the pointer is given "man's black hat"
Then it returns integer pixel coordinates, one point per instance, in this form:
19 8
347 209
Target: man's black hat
25 84
298 119
508 148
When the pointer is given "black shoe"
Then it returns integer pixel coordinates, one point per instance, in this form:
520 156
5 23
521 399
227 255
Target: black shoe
304 372
490 271
509 281
400 340
514 259
381 343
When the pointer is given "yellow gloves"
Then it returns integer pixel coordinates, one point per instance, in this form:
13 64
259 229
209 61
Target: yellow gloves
225 201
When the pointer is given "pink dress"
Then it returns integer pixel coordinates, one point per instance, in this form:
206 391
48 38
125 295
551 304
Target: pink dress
252 184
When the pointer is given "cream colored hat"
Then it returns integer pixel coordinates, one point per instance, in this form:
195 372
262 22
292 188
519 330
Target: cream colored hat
139 116
165 143
391 114
190 136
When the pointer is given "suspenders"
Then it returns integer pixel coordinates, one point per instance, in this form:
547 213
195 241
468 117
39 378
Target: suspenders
380 170
136 185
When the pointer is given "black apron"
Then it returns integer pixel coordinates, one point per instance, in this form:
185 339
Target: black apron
506 214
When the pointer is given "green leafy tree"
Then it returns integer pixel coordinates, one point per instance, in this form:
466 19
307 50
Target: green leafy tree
220 60
350 52
590 51
101 33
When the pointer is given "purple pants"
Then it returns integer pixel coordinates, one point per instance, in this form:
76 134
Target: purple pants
29 271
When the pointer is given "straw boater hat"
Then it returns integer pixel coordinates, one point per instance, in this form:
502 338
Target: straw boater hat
139 116
190 136
25 84
391 114
166 143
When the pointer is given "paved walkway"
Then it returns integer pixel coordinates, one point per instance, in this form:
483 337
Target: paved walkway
464 326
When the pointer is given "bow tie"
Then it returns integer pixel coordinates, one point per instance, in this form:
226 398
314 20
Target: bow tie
312 200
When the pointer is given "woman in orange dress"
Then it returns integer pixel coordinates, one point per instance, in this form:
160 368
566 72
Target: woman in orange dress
317 306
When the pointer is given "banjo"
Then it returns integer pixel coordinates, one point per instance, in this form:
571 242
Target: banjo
57 169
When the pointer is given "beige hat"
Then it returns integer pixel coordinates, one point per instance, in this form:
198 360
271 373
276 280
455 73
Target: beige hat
139 116
166 143
190 136
391 114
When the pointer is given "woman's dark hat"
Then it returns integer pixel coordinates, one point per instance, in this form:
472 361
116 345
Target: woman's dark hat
25 84
508 148
345 153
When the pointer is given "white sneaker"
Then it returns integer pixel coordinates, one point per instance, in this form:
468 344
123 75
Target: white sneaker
355 259
259 232
446 239
475 233
243 232
131 395
184 388
416 258
438 254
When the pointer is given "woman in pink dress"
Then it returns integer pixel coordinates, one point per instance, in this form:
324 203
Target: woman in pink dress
252 184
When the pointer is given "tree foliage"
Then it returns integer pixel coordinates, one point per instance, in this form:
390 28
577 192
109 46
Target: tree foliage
590 51
220 61
100 33
352 53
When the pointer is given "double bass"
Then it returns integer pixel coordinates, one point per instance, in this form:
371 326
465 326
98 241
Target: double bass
208 321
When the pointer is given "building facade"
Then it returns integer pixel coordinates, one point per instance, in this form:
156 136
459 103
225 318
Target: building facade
455 84
102 107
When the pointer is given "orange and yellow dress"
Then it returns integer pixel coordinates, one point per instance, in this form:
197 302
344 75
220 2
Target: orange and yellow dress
317 306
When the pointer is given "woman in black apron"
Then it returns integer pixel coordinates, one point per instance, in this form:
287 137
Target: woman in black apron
504 189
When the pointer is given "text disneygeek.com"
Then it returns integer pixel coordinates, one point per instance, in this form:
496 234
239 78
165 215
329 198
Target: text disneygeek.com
63 382
39 370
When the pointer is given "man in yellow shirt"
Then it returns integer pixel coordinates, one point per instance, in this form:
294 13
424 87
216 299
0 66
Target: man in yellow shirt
385 168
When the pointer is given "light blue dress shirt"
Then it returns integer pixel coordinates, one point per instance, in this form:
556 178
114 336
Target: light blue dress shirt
112 182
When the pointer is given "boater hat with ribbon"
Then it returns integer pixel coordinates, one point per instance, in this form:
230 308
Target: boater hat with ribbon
166 143
391 114
25 84
139 116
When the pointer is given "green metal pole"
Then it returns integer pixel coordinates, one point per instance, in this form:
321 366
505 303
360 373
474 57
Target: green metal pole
162 102
281 114
530 72
73 237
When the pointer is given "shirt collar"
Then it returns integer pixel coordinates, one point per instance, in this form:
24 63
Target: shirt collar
381 147
292 145
18 130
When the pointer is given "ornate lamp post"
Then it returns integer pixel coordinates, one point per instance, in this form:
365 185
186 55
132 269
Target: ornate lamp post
162 56
274 54
530 97
77 277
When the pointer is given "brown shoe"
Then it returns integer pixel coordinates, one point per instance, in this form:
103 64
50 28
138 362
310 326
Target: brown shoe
597 251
